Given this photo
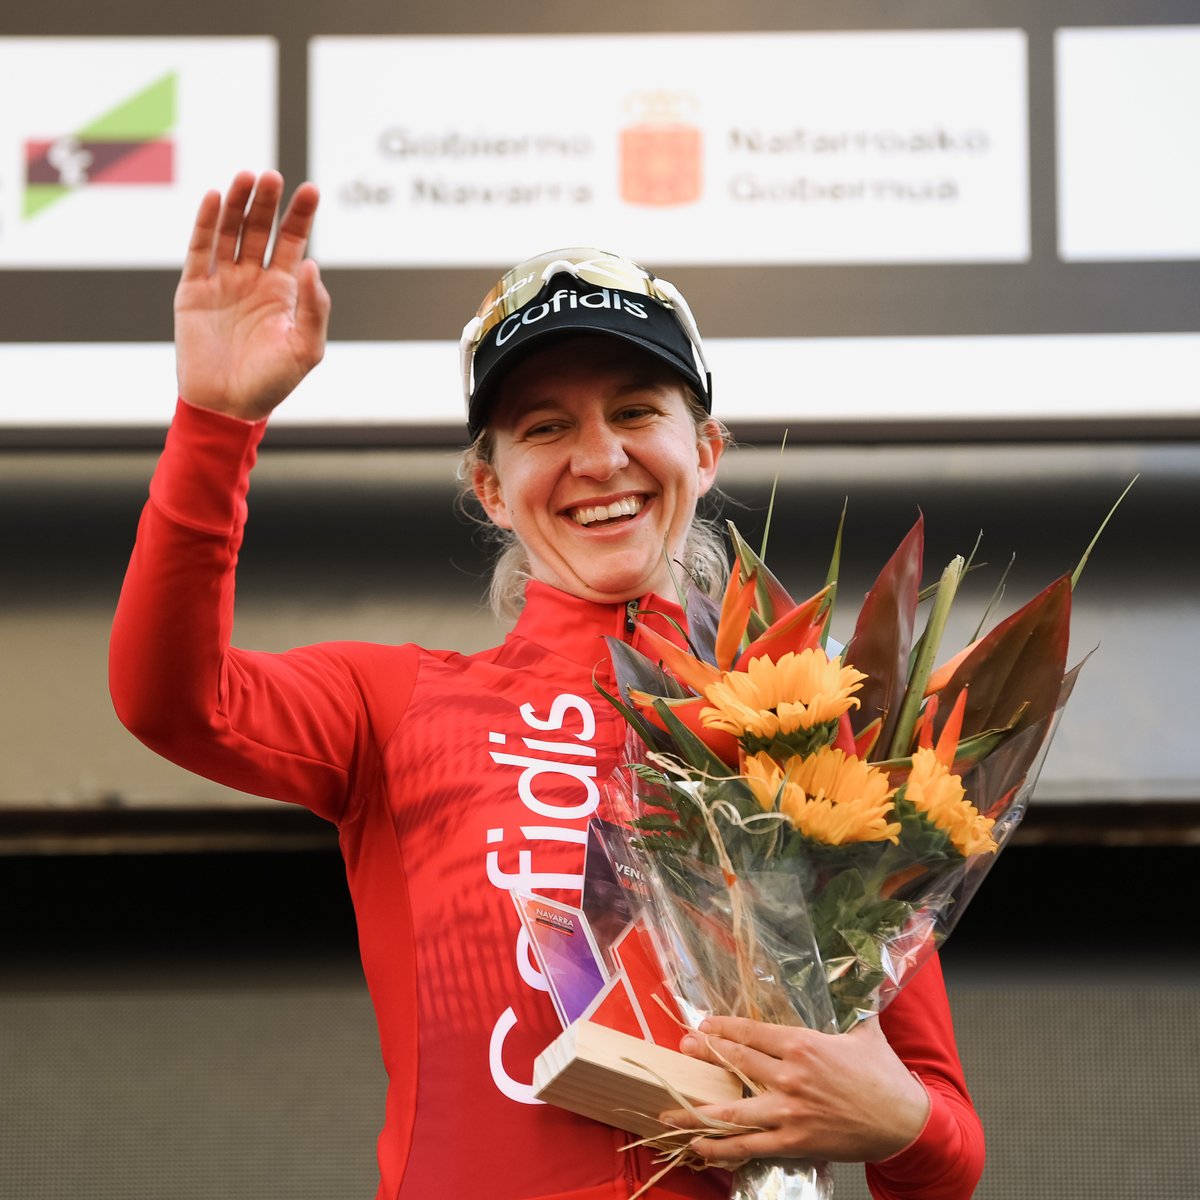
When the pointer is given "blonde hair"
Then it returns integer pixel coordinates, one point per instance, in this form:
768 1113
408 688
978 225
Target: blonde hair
704 562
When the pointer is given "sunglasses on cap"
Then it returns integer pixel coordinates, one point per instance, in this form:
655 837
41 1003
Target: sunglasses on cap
597 268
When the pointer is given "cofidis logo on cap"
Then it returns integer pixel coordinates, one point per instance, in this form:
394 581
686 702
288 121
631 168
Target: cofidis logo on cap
569 298
126 145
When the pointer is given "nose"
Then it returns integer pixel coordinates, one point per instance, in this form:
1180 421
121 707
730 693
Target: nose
599 451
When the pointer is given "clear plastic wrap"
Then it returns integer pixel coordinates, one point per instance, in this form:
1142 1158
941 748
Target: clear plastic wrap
819 936
802 865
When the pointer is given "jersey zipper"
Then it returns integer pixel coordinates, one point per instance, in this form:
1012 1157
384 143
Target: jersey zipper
631 612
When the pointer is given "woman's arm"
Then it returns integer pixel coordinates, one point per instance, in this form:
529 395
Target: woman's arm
292 725
890 1093
946 1161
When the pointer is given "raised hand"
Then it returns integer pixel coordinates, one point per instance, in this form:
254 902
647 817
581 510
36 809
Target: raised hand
248 330
840 1097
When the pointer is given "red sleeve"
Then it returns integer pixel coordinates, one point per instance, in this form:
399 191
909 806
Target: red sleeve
946 1160
291 726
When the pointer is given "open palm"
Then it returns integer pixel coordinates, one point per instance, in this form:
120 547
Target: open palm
248 330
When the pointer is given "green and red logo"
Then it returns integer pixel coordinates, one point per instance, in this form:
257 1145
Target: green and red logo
126 145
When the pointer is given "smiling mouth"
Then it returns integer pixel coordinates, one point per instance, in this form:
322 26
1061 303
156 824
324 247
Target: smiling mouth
602 514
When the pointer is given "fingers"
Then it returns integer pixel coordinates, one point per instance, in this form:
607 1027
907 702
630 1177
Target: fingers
294 229
747 1129
233 210
773 1040
761 1068
260 218
247 217
198 261
760 1051
739 1147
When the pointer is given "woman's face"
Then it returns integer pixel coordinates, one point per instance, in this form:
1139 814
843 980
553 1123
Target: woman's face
597 466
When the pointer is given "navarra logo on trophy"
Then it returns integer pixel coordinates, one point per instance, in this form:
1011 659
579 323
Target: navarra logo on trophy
127 144
662 154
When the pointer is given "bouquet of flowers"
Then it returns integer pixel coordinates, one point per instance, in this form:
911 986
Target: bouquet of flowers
812 819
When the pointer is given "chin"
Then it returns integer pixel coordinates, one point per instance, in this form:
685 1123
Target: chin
619 588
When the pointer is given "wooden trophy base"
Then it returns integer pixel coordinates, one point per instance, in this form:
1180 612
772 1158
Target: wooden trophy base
616 1078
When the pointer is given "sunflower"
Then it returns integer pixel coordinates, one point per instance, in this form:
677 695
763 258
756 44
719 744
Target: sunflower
788 705
827 796
940 797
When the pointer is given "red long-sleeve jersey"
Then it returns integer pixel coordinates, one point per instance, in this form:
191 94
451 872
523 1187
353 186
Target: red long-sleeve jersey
453 779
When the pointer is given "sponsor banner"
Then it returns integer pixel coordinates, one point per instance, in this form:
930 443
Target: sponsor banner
875 382
107 144
1128 151
672 148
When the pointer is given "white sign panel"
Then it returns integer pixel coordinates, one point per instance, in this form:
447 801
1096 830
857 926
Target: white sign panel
861 381
1128 148
672 148
107 144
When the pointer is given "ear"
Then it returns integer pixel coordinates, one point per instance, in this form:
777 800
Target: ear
710 446
486 485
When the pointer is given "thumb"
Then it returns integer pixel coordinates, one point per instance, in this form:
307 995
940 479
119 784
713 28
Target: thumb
312 310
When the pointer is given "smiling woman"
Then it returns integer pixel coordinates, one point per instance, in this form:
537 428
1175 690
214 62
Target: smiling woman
594 459
458 782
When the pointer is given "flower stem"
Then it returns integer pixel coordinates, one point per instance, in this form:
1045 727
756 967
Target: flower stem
926 654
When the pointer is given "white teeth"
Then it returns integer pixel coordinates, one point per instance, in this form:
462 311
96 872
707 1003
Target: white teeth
629 507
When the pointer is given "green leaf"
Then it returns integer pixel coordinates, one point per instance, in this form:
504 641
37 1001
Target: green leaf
771 502
921 839
970 750
834 572
1092 544
688 746
772 599
677 586
635 670
653 737
926 655
704 617
655 821
997 596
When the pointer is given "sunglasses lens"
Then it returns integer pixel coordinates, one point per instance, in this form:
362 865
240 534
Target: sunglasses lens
526 279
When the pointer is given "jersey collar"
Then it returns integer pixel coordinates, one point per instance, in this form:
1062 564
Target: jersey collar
574 628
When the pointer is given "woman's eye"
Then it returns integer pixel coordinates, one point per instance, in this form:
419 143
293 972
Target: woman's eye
635 413
544 429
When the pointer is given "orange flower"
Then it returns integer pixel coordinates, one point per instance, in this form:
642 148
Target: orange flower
827 796
947 744
797 630
938 794
771 700
792 638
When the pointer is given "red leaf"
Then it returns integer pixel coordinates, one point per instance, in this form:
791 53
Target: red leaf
845 738
687 669
883 637
798 630
947 742
723 745
735 614
923 729
867 738
1020 662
